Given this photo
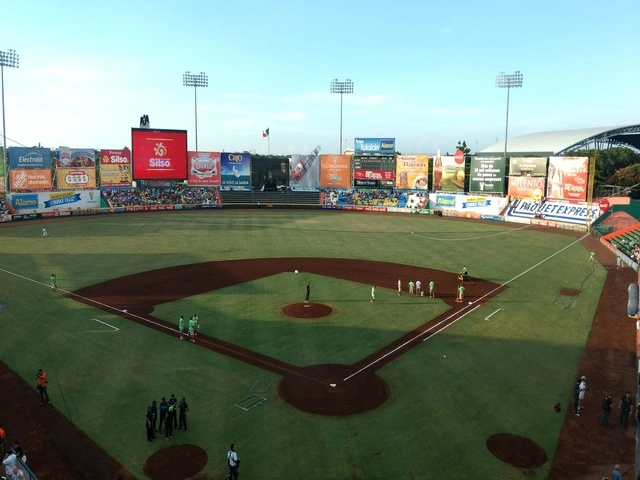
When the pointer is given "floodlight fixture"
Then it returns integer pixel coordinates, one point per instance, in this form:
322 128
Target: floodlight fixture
342 88
508 81
195 80
9 59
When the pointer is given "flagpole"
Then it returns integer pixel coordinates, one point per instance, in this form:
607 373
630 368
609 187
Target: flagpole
268 144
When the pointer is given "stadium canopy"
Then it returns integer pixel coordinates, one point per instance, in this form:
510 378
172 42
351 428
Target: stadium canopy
561 142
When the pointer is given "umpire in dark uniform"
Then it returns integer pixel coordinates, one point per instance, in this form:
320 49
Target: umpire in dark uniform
154 412
149 424
183 408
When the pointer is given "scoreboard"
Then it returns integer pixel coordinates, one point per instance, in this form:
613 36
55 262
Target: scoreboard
374 171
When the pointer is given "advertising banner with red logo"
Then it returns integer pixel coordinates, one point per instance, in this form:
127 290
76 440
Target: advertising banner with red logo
204 168
159 154
448 173
31 179
568 178
412 172
76 157
115 168
335 171
75 178
526 188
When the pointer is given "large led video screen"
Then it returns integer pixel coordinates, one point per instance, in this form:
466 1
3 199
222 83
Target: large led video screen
159 154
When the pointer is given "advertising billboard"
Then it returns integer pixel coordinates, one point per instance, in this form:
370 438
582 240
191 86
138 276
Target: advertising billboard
76 157
448 173
412 172
235 171
159 154
305 171
567 178
531 188
486 175
115 168
374 145
527 167
29 179
204 168
52 203
335 171
36 158
75 178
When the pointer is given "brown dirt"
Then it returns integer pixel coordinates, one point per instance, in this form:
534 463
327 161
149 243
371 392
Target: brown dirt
569 292
162 464
307 310
517 451
57 449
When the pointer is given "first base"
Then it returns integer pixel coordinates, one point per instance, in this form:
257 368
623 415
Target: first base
332 384
295 271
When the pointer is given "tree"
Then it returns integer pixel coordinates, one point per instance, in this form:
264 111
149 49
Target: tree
462 146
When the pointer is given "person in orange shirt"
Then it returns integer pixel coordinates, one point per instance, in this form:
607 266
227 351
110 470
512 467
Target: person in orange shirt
2 440
41 376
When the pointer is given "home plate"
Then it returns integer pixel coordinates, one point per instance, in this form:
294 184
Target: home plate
332 385
307 306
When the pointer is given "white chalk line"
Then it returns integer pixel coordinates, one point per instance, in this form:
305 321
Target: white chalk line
105 323
143 319
467 306
466 239
413 339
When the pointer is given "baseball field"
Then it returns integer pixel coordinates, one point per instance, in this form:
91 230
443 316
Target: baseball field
339 388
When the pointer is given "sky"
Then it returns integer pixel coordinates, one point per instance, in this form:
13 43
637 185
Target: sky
423 71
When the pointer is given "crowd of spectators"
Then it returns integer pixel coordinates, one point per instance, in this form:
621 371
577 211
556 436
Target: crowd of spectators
181 195
4 208
375 198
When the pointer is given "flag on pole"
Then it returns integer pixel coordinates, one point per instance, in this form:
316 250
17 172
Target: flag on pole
265 133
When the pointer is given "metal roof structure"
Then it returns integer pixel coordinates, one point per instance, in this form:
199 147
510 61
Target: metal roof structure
561 142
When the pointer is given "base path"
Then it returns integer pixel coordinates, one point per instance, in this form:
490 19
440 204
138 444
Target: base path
321 389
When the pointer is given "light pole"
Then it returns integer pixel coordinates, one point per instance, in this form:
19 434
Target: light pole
195 81
341 88
508 81
12 60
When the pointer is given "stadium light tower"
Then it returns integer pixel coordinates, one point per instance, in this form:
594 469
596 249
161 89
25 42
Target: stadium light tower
12 60
341 88
195 81
508 81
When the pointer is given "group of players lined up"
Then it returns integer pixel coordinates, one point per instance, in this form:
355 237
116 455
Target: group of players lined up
191 328
168 411
415 289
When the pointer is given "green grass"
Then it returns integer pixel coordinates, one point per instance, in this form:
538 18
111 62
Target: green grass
257 323
501 375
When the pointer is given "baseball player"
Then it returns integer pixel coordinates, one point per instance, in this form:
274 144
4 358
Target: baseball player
432 289
399 286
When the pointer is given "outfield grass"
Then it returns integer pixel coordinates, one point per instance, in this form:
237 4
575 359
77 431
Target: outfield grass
501 375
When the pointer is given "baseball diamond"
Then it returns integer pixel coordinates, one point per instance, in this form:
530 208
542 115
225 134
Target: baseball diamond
361 393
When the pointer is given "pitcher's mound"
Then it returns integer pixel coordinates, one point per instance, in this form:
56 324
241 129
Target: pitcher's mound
177 462
517 451
307 310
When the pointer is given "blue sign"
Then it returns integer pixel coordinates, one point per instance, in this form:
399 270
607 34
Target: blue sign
62 201
447 201
22 202
21 157
235 171
375 145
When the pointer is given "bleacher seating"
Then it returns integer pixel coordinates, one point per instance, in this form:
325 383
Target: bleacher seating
287 197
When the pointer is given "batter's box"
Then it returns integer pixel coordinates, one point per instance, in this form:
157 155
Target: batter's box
250 402
261 386
565 301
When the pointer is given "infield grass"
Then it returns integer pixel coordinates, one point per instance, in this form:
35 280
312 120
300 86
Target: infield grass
499 376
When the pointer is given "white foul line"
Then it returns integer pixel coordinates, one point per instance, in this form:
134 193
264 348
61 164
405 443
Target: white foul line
413 339
105 323
91 300
454 314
